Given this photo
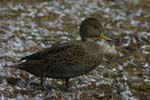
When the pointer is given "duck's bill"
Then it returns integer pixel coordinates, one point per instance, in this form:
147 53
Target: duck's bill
102 36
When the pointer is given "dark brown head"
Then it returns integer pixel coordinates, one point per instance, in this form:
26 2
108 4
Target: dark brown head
91 29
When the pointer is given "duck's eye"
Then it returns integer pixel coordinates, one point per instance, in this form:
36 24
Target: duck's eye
95 27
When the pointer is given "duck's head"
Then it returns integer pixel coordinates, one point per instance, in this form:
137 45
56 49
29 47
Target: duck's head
91 29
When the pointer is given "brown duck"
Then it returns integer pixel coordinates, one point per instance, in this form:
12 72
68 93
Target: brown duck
71 59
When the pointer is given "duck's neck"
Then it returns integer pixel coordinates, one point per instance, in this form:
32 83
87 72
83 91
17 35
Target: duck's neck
107 49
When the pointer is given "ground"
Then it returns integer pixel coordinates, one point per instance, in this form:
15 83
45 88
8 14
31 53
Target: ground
28 26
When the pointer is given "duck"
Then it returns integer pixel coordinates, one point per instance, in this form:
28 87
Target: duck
70 59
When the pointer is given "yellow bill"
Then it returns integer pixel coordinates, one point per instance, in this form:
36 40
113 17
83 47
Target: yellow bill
102 36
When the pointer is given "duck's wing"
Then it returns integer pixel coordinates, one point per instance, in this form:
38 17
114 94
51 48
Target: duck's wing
38 55
48 51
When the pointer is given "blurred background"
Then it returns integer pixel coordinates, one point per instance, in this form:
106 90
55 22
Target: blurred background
27 26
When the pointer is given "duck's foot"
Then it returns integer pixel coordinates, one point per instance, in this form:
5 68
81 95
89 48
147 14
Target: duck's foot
46 87
65 89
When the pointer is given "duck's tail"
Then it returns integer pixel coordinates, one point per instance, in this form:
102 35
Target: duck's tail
17 66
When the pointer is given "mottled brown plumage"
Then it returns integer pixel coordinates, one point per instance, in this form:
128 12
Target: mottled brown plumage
71 59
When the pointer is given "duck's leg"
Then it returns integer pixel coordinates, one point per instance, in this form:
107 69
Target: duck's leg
67 82
43 78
